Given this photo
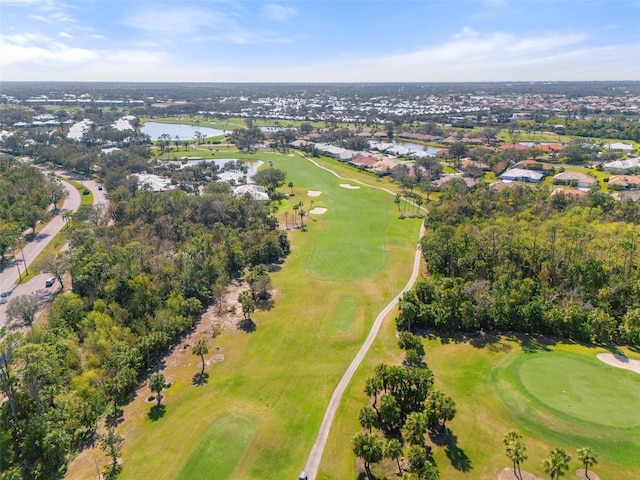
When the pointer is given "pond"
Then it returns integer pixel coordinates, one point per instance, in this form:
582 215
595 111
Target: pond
183 132
418 147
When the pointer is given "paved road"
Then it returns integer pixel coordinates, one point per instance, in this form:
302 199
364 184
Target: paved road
36 285
313 462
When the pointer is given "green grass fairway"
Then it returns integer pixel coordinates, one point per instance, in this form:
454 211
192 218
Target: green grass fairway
329 290
218 452
345 314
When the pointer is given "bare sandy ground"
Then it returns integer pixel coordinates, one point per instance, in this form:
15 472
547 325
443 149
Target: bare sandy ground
350 187
318 211
314 193
592 475
507 474
619 361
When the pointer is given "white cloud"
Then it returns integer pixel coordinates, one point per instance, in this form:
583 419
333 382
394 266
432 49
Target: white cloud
467 32
470 56
64 35
36 57
39 18
278 13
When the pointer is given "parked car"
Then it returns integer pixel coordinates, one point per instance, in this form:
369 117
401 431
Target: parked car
100 187
49 282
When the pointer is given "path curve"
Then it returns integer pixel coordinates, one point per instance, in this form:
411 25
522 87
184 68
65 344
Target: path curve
313 462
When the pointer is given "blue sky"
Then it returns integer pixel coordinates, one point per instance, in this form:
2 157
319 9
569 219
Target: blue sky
319 41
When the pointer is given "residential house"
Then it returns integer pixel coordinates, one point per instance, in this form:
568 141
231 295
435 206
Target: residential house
521 175
622 166
534 165
468 181
624 182
363 161
570 193
619 147
251 190
576 179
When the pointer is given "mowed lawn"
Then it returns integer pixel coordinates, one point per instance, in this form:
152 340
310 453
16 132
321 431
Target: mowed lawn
275 383
556 395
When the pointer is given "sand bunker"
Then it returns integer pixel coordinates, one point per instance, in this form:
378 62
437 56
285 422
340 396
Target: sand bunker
318 211
619 361
314 193
350 187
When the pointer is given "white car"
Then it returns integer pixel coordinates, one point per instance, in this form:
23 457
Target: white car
49 282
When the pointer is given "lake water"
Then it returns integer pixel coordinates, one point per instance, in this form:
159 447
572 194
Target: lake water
418 147
184 132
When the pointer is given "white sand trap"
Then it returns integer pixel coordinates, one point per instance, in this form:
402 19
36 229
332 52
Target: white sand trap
619 361
314 193
318 211
291 155
350 187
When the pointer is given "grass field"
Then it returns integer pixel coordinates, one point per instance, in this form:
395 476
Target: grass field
280 377
556 395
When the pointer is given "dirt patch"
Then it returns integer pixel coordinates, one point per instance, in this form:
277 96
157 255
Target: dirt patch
313 193
592 475
619 361
349 187
318 211
507 474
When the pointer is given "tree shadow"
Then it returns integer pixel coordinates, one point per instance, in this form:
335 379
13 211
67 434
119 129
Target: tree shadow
265 304
247 325
534 343
200 378
459 460
156 412
114 418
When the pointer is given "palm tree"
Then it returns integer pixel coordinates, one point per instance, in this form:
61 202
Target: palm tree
291 187
296 207
588 458
368 418
369 448
158 383
397 201
556 463
393 450
415 427
200 348
516 451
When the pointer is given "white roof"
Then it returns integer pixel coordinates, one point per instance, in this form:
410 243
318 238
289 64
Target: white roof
623 164
522 173
157 183
255 191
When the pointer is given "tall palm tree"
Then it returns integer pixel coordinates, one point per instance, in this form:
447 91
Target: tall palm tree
291 187
556 463
157 383
516 451
393 450
588 458
200 348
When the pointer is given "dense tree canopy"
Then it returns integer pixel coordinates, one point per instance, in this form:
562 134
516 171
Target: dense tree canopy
510 261
138 284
